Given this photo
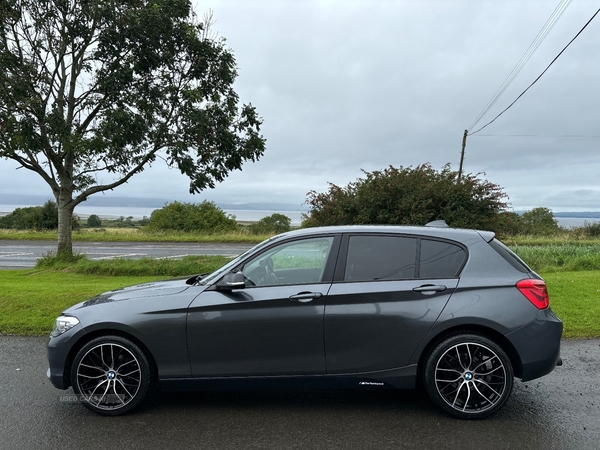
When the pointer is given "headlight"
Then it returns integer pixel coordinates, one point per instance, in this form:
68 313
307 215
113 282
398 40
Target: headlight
62 324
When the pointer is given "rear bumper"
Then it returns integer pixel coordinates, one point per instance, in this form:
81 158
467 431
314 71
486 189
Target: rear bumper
538 345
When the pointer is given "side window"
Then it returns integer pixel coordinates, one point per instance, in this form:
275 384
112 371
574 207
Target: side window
440 259
380 258
297 262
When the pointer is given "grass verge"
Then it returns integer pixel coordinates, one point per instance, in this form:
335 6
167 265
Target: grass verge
31 299
135 268
560 257
575 298
133 235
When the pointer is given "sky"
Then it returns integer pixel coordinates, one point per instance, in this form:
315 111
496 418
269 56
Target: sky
349 85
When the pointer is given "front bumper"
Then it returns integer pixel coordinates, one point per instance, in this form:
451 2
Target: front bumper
58 351
538 345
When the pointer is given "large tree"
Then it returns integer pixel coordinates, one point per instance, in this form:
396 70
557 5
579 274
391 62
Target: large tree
96 90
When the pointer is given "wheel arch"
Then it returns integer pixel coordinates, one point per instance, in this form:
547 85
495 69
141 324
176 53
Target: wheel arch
88 337
490 333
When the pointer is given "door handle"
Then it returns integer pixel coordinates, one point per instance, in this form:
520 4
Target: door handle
305 297
430 288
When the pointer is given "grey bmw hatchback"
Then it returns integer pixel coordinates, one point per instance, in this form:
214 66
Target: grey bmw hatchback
368 307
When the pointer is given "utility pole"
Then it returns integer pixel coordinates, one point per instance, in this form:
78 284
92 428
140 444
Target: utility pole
462 156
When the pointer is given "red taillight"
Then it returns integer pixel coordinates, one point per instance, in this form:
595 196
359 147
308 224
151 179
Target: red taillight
535 291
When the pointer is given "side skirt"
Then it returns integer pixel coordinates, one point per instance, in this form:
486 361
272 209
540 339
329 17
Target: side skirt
403 378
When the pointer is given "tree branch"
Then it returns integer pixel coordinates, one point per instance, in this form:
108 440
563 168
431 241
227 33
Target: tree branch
99 188
35 167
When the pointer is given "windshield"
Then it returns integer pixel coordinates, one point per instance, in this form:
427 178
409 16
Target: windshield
227 267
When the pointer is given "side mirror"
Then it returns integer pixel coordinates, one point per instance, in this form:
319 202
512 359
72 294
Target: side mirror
231 281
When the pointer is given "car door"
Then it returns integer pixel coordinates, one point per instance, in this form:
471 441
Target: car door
274 325
387 293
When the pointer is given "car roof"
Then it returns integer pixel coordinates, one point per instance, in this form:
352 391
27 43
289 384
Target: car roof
458 234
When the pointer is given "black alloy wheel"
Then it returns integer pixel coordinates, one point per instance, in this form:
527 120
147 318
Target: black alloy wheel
111 375
469 376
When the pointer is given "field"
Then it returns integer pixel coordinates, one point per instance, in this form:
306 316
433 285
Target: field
31 299
560 257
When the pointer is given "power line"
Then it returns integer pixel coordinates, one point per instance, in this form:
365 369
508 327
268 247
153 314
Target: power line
542 135
562 6
540 76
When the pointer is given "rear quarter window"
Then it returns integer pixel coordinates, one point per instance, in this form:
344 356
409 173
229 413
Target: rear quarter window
440 259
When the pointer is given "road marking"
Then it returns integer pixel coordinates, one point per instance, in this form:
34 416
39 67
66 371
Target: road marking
125 255
12 255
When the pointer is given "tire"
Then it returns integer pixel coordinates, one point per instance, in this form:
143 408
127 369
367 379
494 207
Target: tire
469 376
111 375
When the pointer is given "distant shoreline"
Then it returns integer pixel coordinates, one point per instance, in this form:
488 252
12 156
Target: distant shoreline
565 219
108 212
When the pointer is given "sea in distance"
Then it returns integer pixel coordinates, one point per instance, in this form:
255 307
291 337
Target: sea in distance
114 212
241 215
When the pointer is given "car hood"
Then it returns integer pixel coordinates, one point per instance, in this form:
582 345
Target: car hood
139 291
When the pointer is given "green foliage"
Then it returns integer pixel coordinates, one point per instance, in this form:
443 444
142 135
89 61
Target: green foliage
124 222
205 217
94 221
54 260
588 231
34 218
560 257
509 223
93 90
165 267
31 299
409 196
539 222
137 235
575 298
273 224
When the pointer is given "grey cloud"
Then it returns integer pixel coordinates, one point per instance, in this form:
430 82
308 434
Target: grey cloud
345 85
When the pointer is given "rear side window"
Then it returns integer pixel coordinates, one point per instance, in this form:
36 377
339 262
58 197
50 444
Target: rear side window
440 259
380 258
509 256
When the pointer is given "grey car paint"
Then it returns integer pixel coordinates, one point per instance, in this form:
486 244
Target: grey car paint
378 330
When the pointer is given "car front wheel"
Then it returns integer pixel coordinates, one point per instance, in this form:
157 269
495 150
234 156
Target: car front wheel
469 376
111 375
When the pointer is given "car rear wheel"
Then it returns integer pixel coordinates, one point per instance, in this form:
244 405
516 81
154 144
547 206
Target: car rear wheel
111 375
468 376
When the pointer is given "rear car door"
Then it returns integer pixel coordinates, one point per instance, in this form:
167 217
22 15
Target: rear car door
388 291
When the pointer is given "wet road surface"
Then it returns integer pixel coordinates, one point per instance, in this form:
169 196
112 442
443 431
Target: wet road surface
559 411
23 254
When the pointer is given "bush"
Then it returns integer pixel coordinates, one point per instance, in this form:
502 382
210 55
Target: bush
590 229
509 223
206 217
410 196
33 218
123 222
273 224
539 222
94 221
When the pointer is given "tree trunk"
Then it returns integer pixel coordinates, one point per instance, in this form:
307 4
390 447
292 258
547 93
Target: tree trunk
65 225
